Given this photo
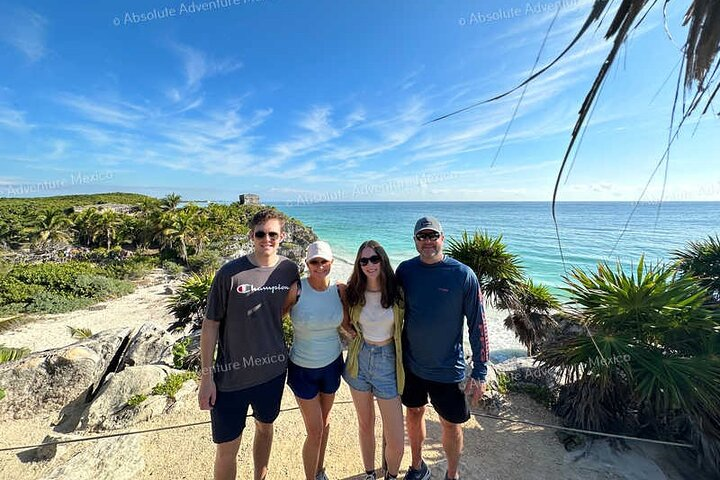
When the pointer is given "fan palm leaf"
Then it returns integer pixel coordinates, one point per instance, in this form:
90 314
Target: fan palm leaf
498 270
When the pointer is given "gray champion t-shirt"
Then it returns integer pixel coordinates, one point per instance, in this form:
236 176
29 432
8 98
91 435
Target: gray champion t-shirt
247 300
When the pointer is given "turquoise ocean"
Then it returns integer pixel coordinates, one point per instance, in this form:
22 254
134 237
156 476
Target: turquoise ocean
589 231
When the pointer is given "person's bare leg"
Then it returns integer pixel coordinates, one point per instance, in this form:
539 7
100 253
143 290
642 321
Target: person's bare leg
261 448
312 416
326 403
365 409
226 459
415 421
452 440
393 430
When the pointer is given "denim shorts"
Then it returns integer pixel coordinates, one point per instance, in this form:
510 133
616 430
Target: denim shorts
376 371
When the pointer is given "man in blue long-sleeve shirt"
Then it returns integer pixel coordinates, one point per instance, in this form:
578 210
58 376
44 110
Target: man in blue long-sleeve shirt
440 293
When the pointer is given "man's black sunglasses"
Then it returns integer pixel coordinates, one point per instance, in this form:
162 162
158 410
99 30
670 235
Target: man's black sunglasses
261 234
427 236
375 259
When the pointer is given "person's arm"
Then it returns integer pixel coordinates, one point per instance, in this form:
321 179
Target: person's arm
477 328
209 335
292 298
208 340
346 327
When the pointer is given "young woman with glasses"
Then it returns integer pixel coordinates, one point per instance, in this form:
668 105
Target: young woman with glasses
316 362
374 361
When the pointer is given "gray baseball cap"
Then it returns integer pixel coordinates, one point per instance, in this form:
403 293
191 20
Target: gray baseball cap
428 223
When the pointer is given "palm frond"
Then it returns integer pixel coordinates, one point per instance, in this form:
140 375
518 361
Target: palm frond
80 333
10 354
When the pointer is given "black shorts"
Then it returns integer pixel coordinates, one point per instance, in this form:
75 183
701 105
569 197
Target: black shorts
447 399
227 416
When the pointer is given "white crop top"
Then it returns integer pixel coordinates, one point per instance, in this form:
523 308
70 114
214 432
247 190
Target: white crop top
377 322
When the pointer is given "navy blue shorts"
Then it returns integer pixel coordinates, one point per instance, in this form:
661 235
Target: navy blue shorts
306 383
227 416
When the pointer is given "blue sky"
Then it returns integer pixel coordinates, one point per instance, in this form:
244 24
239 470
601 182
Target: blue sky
328 100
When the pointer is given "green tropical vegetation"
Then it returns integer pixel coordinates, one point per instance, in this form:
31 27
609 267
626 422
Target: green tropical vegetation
172 384
665 328
531 319
189 303
91 245
136 400
80 333
10 354
499 271
645 359
502 281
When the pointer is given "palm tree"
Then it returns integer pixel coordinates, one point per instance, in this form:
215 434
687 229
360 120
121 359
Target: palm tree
653 353
532 321
178 229
87 226
702 261
54 227
109 224
170 202
499 271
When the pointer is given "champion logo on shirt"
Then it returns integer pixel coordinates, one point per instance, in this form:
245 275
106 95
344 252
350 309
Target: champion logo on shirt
250 288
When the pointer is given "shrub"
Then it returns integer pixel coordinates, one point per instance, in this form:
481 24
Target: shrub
172 268
136 400
133 267
58 277
207 262
100 287
180 351
2 393
288 332
50 302
13 291
172 384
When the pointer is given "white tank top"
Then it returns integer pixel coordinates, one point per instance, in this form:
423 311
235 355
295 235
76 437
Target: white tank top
377 322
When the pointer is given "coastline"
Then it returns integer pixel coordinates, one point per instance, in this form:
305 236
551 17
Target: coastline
493 449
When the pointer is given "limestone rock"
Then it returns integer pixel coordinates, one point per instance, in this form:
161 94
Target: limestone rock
150 345
110 409
118 458
46 381
524 370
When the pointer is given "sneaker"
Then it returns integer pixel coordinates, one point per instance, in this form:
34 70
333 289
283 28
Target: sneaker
370 476
321 475
422 473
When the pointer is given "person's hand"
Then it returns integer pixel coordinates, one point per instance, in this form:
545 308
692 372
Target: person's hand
348 330
207 393
475 389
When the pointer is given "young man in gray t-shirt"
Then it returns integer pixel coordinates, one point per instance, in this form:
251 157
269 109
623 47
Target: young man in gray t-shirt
244 319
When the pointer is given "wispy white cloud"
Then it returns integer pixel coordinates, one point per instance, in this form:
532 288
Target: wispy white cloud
112 113
24 30
13 119
197 66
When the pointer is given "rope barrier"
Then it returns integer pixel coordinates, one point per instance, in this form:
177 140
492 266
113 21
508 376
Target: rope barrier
345 402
